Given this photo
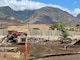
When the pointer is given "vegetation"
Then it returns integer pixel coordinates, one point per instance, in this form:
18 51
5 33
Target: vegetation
36 28
15 50
52 27
78 26
71 29
47 50
60 27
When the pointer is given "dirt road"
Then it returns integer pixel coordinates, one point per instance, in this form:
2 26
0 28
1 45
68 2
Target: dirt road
69 57
3 57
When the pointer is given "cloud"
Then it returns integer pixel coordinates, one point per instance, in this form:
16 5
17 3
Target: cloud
23 4
76 11
26 4
29 4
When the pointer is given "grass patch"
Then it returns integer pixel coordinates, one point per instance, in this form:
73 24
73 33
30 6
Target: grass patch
47 50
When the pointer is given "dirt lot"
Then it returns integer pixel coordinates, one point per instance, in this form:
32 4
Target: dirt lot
41 49
55 49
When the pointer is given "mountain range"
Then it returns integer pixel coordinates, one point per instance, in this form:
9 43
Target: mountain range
45 15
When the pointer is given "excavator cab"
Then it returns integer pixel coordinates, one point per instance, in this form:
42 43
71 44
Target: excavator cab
18 36
22 37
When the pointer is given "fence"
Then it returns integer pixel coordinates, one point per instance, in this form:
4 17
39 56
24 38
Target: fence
44 32
3 32
33 32
50 34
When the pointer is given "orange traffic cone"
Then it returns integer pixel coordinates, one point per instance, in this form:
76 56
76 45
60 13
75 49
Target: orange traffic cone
26 49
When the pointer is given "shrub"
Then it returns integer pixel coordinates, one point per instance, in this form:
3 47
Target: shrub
15 49
47 50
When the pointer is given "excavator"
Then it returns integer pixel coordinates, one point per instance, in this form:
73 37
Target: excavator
17 36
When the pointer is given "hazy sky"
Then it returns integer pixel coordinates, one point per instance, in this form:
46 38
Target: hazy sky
71 6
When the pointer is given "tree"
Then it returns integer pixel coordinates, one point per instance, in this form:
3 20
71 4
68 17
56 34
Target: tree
78 26
60 27
52 27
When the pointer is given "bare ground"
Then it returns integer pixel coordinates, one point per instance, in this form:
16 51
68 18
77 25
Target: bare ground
54 49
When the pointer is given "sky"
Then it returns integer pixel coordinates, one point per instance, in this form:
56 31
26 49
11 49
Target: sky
71 6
